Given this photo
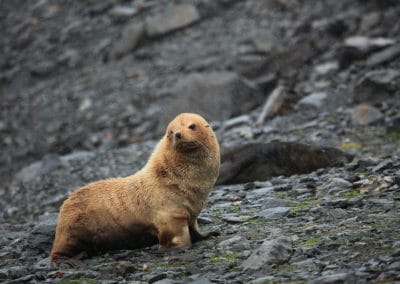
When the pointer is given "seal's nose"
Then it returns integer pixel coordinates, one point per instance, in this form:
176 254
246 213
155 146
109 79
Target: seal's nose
178 135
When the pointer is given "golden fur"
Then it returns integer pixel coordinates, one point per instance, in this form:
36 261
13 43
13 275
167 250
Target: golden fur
160 203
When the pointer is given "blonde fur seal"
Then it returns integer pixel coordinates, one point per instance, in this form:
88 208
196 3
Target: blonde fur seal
160 203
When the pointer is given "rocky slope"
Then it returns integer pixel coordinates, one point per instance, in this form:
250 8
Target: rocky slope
87 88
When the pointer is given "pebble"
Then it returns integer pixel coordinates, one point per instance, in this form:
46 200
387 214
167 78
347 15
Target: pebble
365 114
177 17
276 251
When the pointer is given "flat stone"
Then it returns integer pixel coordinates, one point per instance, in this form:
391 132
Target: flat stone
271 202
177 17
376 85
274 213
383 56
333 186
365 44
43 69
274 104
231 241
315 100
365 114
276 251
341 277
325 68
120 14
129 40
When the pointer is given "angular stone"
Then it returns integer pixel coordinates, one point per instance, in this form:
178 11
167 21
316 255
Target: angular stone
271 202
274 104
341 277
42 235
43 69
129 40
376 85
231 241
121 14
333 186
383 56
275 213
365 114
276 251
178 17
315 100
366 44
216 96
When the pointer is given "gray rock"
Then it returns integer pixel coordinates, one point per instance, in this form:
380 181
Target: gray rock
177 17
365 44
231 241
71 58
341 277
261 192
365 114
387 163
13 272
120 14
49 163
333 186
131 37
229 218
273 105
376 85
42 235
43 69
271 202
326 68
274 213
216 95
383 56
276 251
315 100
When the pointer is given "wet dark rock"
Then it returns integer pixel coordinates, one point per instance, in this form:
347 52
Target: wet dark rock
376 85
217 96
260 161
175 18
365 114
276 251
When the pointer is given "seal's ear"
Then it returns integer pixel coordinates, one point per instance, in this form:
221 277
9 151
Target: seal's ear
207 125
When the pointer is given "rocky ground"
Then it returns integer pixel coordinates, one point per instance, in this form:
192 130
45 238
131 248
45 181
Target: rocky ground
87 88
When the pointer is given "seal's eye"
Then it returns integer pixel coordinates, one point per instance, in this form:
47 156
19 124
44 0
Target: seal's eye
192 126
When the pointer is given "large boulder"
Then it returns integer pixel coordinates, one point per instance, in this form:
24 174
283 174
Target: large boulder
216 96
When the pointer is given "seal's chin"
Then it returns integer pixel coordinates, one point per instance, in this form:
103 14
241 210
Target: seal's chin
187 146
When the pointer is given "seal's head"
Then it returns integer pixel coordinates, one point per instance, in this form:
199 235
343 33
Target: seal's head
190 133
